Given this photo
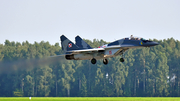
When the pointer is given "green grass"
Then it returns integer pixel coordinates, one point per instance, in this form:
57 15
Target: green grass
90 99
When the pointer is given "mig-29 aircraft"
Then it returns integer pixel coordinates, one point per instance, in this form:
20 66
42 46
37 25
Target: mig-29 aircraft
82 51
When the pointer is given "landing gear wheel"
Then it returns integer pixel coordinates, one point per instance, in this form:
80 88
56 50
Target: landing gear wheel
121 59
105 61
93 61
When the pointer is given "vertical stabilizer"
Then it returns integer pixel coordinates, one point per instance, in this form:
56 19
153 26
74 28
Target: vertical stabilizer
67 45
81 43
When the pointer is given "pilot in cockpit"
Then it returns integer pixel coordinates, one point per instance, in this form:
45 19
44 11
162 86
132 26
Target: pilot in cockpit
132 38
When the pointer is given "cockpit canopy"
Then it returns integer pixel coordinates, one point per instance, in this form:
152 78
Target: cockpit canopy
136 38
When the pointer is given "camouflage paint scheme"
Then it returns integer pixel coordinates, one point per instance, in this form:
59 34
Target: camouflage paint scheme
82 51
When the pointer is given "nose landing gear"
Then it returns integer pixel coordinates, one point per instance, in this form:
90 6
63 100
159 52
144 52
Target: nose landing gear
122 59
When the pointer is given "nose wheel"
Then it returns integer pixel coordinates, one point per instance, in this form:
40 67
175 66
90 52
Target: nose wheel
93 61
105 61
121 59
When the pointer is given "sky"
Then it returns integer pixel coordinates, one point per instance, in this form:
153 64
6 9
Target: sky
47 20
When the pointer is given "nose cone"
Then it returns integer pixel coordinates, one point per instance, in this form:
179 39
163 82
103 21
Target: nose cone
154 43
149 44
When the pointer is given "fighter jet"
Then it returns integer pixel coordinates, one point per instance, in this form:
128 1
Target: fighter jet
82 51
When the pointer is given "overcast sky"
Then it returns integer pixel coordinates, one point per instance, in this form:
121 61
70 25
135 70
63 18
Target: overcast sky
46 20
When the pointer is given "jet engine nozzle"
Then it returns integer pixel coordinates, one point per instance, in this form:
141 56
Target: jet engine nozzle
70 57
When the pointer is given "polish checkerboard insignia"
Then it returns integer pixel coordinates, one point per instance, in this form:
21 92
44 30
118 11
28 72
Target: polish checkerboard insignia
70 45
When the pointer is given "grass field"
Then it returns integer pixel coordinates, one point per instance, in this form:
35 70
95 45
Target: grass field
90 99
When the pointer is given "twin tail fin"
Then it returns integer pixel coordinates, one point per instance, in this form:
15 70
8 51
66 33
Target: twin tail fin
68 45
81 43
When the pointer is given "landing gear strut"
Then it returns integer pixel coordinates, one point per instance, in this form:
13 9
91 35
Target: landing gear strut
122 59
93 61
105 61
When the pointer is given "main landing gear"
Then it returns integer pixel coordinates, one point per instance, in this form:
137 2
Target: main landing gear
105 61
93 61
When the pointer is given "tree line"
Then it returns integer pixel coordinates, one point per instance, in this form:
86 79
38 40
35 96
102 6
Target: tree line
25 71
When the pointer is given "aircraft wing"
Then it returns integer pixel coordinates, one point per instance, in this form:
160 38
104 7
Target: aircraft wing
86 50
125 47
